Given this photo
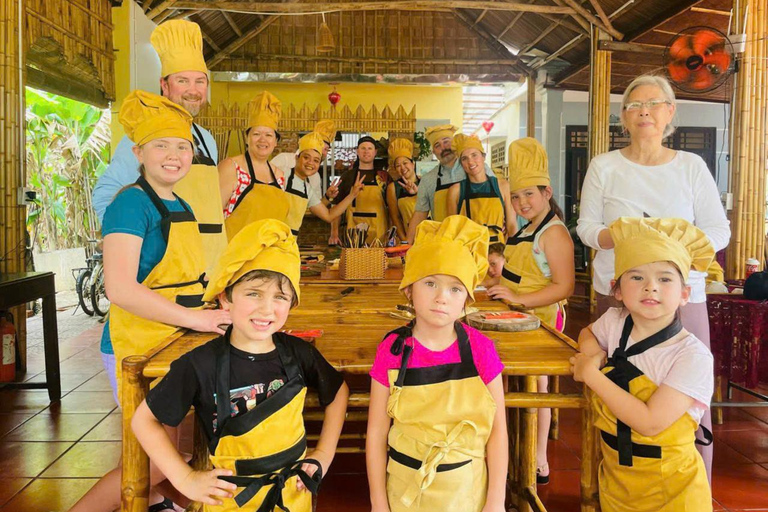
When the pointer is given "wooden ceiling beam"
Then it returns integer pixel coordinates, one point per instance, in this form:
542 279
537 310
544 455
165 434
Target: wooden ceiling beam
380 60
567 24
182 15
608 29
241 41
159 9
232 23
512 23
480 18
601 13
494 44
210 41
541 36
617 46
576 17
391 5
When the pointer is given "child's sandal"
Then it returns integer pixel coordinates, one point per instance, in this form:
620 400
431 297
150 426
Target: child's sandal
542 479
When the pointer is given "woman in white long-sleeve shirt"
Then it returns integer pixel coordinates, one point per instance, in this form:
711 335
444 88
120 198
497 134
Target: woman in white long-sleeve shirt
646 179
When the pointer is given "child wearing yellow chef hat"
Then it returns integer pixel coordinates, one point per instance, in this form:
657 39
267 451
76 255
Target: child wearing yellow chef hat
652 392
437 383
402 190
251 188
248 388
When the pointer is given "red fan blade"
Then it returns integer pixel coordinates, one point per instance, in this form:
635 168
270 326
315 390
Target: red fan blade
678 72
680 48
701 80
705 41
719 61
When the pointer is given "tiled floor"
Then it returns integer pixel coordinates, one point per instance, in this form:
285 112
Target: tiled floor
51 455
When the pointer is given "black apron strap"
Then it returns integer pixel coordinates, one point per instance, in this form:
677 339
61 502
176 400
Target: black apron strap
274 497
223 406
208 156
707 434
466 188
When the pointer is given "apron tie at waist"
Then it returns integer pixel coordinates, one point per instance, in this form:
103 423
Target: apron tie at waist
277 480
435 455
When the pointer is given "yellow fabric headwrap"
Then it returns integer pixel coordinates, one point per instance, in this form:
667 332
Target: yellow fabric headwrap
461 142
179 44
647 240
400 147
528 164
327 130
436 133
262 245
312 140
146 116
264 110
456 247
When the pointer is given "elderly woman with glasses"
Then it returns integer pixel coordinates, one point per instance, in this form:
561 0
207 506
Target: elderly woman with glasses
647 179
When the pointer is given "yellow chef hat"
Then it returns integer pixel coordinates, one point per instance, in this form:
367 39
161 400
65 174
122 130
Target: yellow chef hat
435 133
146 116
312 140
179 44
266 244
400 147
264 110
528 164
327 130
461 142
457 247
646 240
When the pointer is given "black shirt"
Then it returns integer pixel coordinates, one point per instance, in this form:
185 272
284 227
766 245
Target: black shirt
191 380
349 177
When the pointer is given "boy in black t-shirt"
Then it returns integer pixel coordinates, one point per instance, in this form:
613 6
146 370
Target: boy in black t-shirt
256 434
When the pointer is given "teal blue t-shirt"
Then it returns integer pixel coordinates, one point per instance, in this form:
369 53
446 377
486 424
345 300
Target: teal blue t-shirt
132 212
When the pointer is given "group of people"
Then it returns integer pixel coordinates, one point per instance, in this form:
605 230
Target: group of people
436 437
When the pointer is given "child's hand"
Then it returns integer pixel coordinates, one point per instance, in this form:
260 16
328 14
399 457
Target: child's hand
494 507
203 486
209 320
583 364
501 292
310 469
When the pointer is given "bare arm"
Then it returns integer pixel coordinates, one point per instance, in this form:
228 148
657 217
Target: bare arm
394 212
376 447
452 201
605 239
510 217
417 219
339 209
497 450
329 435
121 265
588 344
227 180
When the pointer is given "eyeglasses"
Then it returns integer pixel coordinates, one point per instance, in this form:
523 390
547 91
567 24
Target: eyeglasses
634 106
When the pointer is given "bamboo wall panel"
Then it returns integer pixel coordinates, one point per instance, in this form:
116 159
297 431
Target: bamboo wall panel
69 51
385 42
748 158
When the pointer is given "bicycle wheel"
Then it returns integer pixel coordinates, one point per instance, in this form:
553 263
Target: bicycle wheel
99 298
83 287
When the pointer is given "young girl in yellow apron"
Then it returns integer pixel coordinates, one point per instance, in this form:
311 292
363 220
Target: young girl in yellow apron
153 255
401 193
248 388
658 380
251 189
301 194
437 437
539 271
482 198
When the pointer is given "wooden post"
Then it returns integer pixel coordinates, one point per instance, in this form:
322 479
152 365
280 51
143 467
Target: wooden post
528 424
748 167
590 457
135 478
530 120
13 215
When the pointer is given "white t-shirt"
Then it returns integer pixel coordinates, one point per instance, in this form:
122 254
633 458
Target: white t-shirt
287 161
297 183
683 362
682 188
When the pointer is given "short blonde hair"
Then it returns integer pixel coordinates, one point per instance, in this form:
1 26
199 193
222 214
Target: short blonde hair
656 81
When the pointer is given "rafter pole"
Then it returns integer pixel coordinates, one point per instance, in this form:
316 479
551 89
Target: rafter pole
480 18
210 41
496 46
160 8
241 41
584 24
381 60
232 23
541 36
593 19
567 24
601 13
530 118
512 23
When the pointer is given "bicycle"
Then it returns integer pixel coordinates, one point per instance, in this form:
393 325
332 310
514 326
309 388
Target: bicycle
83 278
99 299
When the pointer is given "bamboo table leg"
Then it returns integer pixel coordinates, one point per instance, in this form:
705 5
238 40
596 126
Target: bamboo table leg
135 479
554 425
528 429
513 431
590 457
717 417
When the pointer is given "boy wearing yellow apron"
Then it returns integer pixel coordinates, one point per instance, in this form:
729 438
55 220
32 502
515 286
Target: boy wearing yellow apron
401 193
249 199
652 392
248 388
437 438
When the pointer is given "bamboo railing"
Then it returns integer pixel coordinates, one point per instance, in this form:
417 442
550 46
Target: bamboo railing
748 156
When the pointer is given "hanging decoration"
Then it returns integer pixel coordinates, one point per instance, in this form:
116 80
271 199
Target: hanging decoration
488 126
325 40
334 97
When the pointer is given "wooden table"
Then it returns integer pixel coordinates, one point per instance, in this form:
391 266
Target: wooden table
354 323
23 287
328 276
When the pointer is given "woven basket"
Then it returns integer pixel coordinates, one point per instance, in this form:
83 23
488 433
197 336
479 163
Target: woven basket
363 263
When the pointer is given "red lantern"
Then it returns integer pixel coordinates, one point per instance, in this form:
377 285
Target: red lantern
487 126
334 97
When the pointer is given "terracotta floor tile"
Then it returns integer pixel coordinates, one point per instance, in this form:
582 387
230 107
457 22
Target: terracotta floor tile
737 419
725 455
110 429
84 402
99 382
45 495
69 381
10 486
25 401
10 421
740 486
560 456
562 493
55 427
335 493
760 413
86 460
750 443
716 507
28 459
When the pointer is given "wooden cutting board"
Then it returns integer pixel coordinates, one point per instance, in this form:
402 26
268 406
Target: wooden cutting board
487 320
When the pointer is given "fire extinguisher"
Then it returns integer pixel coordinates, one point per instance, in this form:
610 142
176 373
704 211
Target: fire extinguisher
8 336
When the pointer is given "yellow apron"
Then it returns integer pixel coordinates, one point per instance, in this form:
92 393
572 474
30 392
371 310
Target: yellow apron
258 201
406 204
440 206
522 275
264 447
178 277
484 205
195 188
298 200
661 473
369 207
442 419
